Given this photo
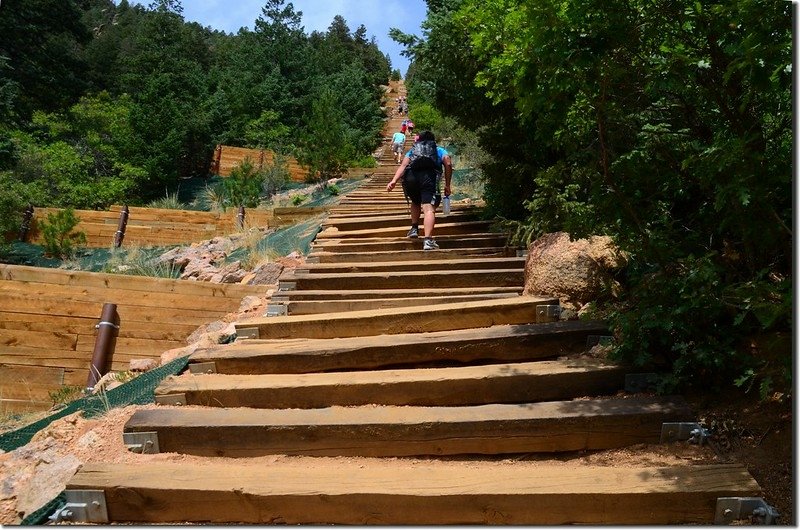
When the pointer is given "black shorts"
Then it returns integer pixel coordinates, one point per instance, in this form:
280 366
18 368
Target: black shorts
421 187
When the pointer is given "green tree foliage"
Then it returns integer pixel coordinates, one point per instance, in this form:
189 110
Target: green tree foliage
326 149
666 126
243 186
78 159
40 46
104 101
59 235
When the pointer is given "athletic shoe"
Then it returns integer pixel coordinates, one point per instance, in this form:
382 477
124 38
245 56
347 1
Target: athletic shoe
430 244
413 233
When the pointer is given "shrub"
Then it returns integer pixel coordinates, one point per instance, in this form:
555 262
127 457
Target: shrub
298 199
367 161
60 239
243 187
168 202
333 189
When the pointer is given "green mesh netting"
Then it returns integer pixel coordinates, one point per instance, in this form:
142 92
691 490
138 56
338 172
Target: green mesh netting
86 259
137 391
285 240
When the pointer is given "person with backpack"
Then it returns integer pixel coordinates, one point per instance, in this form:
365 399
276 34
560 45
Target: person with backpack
421 172
398 141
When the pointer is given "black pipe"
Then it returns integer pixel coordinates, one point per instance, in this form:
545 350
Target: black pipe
104 344
119 235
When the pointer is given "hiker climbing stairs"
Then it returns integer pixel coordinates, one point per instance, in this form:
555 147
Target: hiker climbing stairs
394 385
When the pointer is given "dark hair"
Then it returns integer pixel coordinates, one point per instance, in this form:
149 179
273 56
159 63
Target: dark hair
425 136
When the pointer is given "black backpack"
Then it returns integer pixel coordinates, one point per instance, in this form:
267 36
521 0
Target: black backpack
424 156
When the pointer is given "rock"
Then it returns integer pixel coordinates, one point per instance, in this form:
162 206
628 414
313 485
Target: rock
170 355
46 482
231 273
142 365
577 272
266 274
251 303
567 313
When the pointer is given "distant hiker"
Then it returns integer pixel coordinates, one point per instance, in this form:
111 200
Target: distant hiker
421 171
398 141
410 127
404 126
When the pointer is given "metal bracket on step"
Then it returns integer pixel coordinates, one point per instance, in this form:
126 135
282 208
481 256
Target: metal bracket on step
286 286
277 310
684 431
278 299
312 259
144 443
547 313
83 506
247 333
522 253
755 509
636 383
203 368
171 399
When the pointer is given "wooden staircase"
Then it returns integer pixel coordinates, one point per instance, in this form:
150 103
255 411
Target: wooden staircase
403 386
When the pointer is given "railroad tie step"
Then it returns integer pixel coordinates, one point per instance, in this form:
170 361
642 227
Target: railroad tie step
522 382
386 431
504 343
330 491
442 317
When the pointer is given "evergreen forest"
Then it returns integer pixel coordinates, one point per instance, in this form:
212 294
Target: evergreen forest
107 103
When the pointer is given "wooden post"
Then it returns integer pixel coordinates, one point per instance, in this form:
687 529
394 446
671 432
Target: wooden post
104 344
119 235
240 217
215 163
27 216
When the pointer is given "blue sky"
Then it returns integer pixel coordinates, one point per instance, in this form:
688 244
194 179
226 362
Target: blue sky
377 15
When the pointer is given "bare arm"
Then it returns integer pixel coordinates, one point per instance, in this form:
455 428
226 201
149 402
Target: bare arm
448 173
398 174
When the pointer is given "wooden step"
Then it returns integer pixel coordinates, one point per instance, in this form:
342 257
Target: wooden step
347 214
368 245
370 223
419 265
410 255
366 491
414 279
378 294
446 387
490 344
443 227
316 307
553 426
521 310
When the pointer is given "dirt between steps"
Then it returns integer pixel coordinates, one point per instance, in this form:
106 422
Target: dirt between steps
758 435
